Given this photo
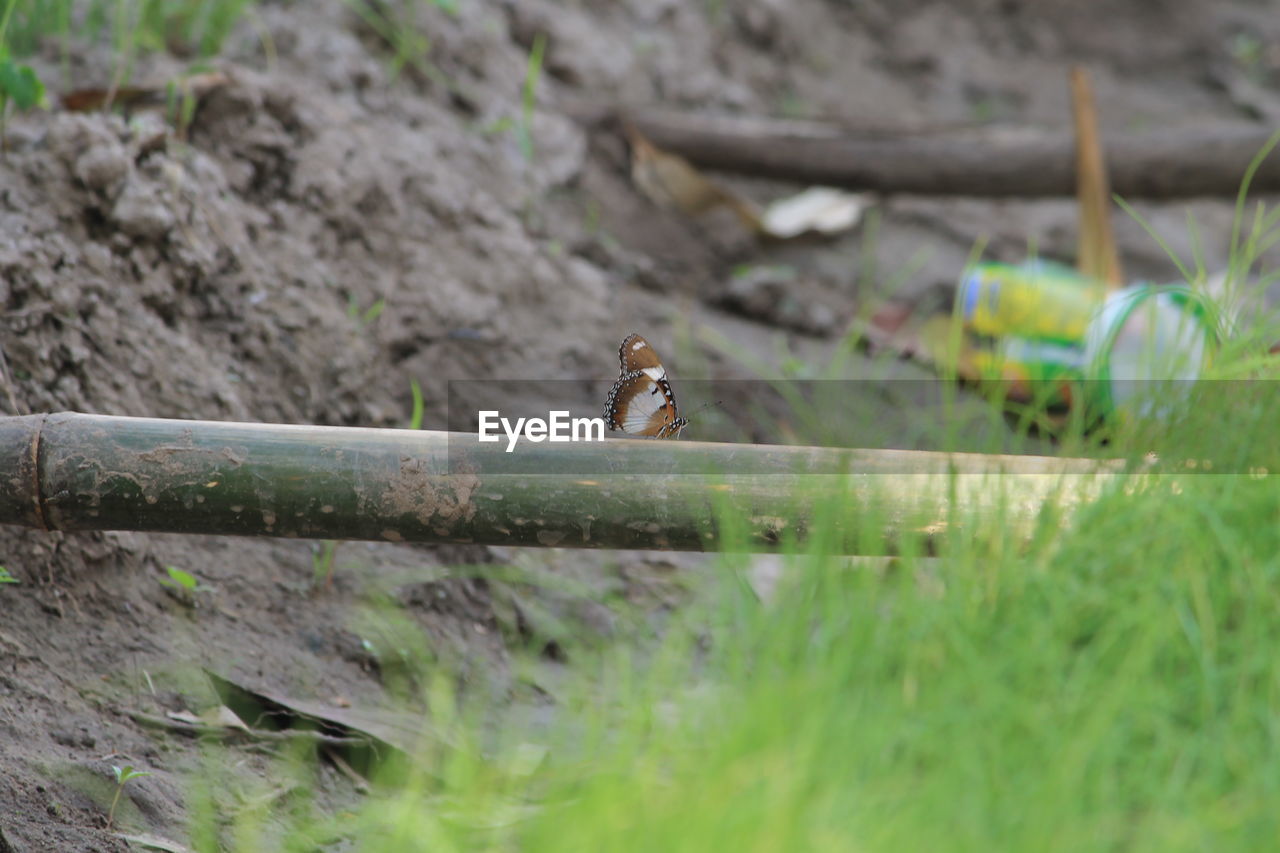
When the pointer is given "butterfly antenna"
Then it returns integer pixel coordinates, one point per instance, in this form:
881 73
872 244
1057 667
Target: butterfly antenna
706 406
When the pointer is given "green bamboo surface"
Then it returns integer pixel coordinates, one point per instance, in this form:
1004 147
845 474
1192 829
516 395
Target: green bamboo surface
72 471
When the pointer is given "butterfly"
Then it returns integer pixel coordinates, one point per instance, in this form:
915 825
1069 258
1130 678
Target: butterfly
641 401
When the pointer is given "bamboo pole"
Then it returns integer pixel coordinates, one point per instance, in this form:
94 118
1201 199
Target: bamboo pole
73 472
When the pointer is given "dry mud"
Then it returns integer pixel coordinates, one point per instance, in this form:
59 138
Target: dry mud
231 275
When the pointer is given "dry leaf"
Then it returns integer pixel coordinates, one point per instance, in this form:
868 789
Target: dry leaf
387 730
153 842
225 717
672 181
128 97
135 97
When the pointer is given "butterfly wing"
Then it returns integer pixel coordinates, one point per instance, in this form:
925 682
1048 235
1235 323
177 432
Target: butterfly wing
641 401
641 405
636 354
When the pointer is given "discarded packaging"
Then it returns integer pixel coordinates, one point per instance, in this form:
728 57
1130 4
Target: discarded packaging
1146 345
1059 339
820 210
1035 300
1044 372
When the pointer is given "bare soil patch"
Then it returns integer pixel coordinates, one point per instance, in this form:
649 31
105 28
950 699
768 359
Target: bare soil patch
236 274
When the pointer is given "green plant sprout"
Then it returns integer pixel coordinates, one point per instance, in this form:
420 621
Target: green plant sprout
419 405
322 563
181 102
184 583
123 776
5 577
502 124
19 84
368 315
400 31
524 130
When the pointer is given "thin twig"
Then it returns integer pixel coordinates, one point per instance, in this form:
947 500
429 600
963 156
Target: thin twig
347 770
8 387
198 729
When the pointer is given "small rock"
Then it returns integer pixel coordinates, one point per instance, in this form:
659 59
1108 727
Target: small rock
71 135
97 257
69 390
578 52
757 291
822 319
140 212
103 167
21 138
560 149
64 296
652 11
77 353
759 23
73 737
778 295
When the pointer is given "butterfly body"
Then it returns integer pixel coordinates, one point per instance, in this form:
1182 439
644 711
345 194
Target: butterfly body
641 402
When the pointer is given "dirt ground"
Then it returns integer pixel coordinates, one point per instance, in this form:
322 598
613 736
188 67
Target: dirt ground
236 275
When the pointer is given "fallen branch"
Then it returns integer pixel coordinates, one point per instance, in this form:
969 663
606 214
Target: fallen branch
978 161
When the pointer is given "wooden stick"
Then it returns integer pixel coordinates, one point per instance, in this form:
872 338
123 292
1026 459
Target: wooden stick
1096 255
989 162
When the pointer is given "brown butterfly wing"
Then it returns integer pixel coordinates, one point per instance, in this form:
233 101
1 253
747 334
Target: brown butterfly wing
641 405
641 402
636 354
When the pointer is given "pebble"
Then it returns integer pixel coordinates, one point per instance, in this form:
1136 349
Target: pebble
103 167
140 212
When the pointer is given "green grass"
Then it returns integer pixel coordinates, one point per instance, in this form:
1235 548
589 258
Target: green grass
1111 685
1114 686
397 24
187 27
193 29
529 96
